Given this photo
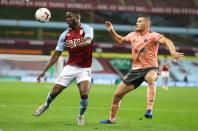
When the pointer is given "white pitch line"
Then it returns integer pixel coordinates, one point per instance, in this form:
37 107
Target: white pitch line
100 108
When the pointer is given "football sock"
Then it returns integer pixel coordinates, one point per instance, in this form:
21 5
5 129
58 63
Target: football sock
151 90
83 106
114 108
50 98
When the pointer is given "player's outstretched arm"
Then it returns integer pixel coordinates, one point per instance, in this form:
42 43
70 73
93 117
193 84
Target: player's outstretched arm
169 44
116 37
51 62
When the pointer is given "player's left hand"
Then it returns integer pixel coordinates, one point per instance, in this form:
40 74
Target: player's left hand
40 76
108 26
177 55
70 45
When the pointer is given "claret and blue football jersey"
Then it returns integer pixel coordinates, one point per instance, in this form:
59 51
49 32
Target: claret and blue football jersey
80 56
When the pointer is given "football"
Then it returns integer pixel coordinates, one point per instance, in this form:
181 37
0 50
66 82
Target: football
43 15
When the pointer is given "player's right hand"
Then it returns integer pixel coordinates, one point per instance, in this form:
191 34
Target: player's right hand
177 55
108 25
40 76
70 45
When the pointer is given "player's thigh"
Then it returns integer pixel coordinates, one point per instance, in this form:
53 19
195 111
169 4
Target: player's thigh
83 80
123 89
57 89
151 76
84 87
67 76
84 74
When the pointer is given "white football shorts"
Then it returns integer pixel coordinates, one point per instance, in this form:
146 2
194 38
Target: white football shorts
71 73
165 74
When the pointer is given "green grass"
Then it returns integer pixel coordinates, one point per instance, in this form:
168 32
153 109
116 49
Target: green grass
175 110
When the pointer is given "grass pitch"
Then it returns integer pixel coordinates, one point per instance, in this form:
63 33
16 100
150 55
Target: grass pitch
174 110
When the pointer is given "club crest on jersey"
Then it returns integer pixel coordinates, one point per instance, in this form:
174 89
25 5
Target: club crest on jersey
145 40
81 32
143 50
68 34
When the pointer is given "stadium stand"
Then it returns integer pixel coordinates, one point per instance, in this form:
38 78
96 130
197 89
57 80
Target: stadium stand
41 41
179 70
185 68
174 3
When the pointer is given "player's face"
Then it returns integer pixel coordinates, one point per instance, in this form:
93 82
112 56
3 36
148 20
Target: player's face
141 24
71 21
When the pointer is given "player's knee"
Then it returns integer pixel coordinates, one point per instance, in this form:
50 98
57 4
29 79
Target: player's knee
117 98
151 76
151 80
53 94
84 96
56 91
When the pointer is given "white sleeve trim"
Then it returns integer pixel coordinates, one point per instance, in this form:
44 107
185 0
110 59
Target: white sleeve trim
61 41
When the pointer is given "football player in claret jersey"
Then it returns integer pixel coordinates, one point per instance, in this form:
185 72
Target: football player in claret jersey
165 72
144 45
77 39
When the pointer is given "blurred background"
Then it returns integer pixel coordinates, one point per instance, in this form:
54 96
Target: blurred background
26 44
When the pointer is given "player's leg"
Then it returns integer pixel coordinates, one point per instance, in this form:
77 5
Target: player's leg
56 90
166 83
151 77
131 81
83 79
162 79
165 80
84 88
62 81
121 91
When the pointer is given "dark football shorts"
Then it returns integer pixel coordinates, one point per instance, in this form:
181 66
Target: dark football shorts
136 77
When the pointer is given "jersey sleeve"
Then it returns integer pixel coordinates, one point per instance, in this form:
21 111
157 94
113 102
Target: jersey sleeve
156 36
88 32
128 37
61 42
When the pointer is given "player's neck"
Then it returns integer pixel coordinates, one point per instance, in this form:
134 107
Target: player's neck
143 32
77 26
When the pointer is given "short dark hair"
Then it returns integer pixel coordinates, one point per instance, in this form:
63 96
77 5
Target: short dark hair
145 16
73 13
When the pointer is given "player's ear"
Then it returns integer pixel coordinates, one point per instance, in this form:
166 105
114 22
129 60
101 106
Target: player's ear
78 16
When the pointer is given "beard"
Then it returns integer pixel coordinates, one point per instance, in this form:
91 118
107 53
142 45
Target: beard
139 30
73 24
